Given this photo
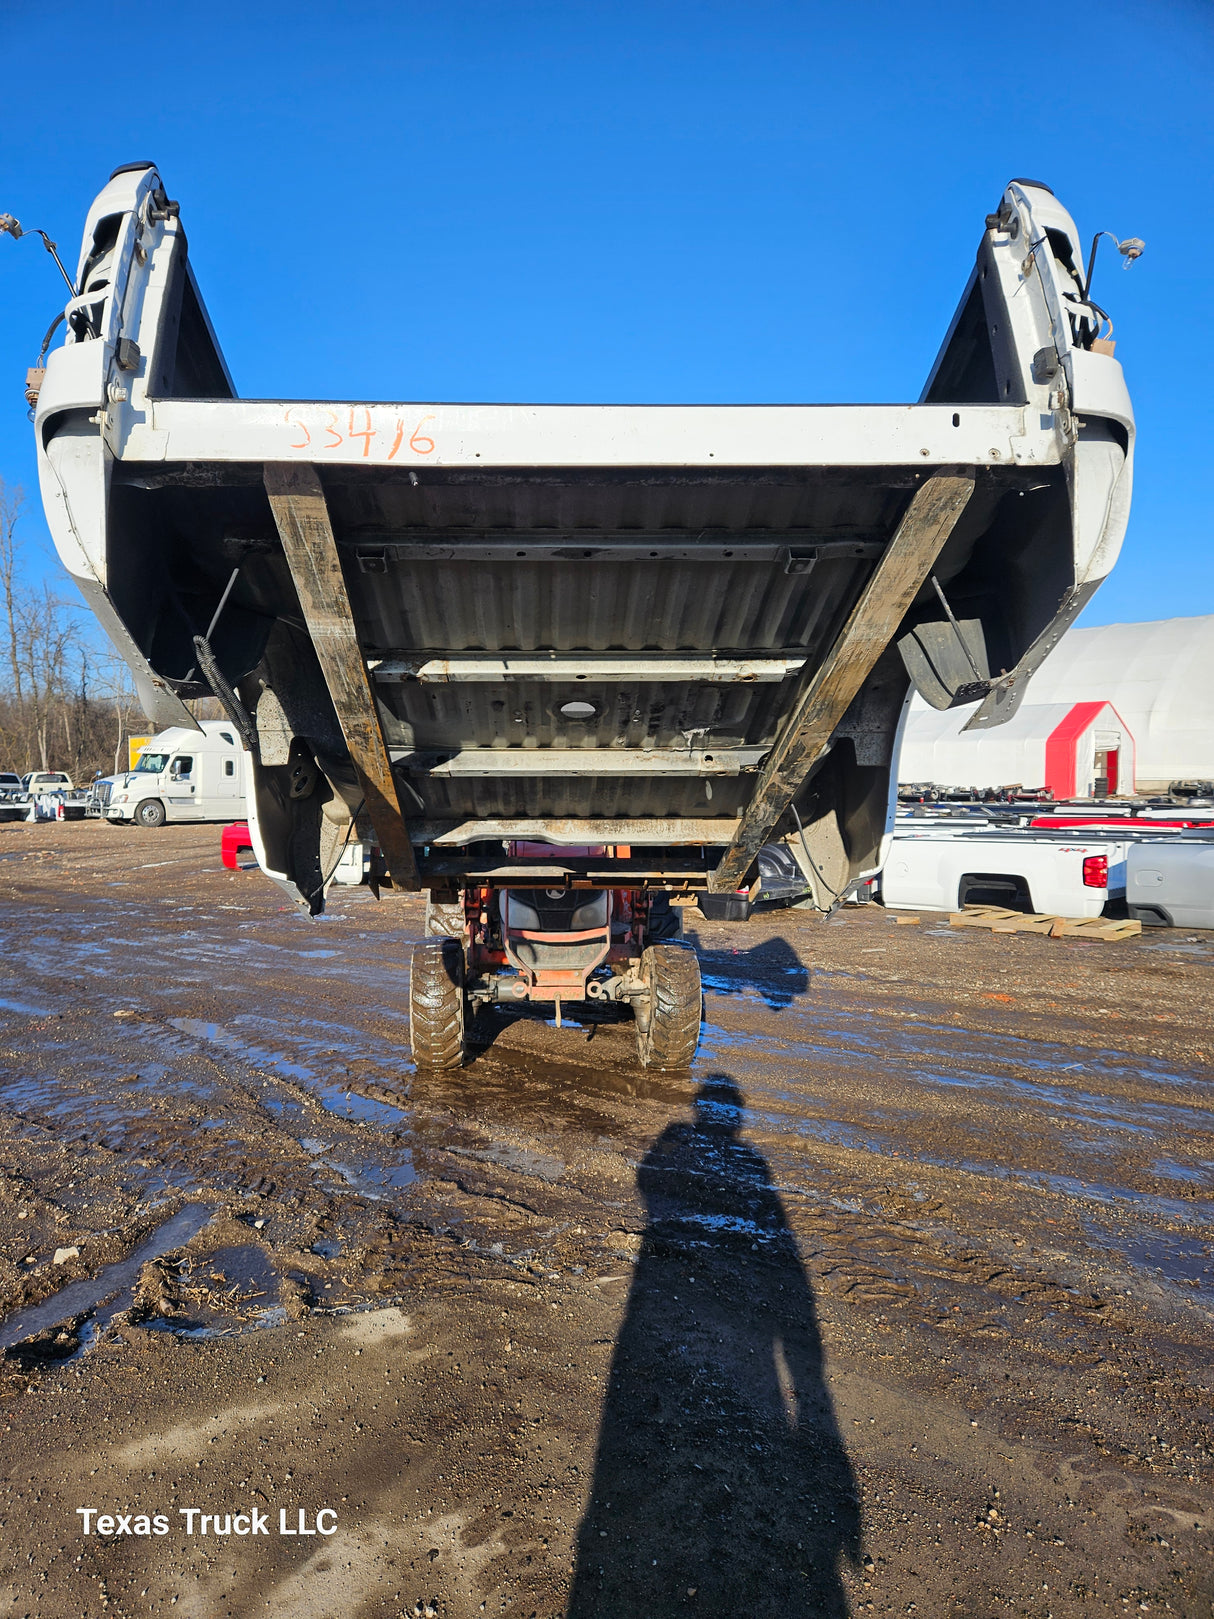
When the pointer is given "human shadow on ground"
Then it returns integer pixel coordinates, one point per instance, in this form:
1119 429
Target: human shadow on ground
721 1483
773 968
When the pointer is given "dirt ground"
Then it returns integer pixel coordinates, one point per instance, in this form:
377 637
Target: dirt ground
901 1303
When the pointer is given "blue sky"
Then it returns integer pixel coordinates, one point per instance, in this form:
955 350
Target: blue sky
658 202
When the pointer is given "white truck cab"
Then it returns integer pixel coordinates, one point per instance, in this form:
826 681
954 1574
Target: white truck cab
46 781
181 775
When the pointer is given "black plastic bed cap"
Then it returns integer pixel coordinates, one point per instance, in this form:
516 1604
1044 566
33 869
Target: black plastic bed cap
131 168
1018 180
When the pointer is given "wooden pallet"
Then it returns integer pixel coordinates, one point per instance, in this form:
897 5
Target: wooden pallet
1108 928
997 919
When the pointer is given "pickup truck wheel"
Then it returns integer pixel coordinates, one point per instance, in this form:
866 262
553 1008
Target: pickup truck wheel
150 812
667 1039
437 1004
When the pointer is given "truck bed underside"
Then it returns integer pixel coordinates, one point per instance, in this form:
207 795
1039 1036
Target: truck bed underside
628 597
671 632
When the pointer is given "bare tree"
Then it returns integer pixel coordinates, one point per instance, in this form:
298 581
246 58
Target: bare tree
61 698
11 503
114 685
46 636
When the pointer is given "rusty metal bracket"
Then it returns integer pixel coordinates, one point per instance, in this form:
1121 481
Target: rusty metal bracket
302 516
929 520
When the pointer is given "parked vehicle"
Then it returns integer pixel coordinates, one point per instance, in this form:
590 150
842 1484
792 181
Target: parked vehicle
563 662
944 866
40 795
1171 885
13 797
181 775
46 781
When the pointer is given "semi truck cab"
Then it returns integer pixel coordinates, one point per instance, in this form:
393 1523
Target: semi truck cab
181 775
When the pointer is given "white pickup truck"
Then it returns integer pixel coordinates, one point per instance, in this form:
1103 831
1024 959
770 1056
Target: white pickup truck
47 781
40 795
941 866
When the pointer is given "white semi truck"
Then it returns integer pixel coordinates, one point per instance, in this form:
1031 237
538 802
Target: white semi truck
561 662
182 774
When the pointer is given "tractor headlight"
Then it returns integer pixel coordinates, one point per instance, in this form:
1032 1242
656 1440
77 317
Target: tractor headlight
521 915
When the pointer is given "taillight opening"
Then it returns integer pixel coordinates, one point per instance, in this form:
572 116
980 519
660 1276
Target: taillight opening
1096 871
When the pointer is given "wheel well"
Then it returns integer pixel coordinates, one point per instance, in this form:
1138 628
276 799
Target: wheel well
995 888
1151 916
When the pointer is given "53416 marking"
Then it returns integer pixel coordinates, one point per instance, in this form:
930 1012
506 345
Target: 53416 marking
337 432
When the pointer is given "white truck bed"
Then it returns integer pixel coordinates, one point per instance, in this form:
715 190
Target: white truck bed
1172 884
670 629
938 867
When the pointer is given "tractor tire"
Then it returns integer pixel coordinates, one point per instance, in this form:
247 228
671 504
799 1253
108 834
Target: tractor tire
444 920
149 812
676 1006
437 1005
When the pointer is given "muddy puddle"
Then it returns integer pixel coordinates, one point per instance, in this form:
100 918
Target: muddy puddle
333 1096
232 1289
1175 1259
101 1297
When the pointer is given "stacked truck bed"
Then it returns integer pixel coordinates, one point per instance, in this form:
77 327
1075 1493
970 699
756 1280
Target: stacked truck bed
595 649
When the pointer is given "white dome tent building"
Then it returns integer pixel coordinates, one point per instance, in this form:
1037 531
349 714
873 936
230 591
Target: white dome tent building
1137 698
1077 750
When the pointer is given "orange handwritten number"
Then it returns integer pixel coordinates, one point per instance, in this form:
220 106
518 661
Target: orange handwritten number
366 433
331 429
307 437
418 439
399 439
